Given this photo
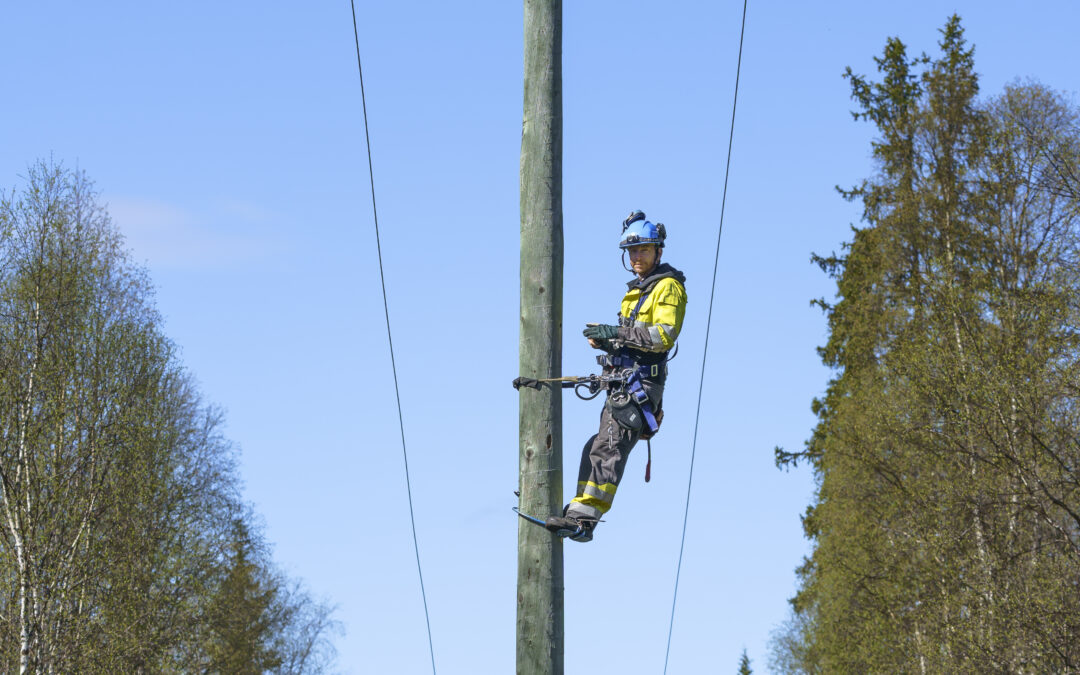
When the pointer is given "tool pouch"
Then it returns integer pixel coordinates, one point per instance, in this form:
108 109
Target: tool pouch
625 411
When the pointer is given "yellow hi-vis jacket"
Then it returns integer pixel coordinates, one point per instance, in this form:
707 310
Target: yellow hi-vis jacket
647 337
659 319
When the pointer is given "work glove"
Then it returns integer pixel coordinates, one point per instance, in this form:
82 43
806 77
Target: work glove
604 345
601 331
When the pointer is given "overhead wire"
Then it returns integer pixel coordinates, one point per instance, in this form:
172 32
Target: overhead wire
390 339
708 326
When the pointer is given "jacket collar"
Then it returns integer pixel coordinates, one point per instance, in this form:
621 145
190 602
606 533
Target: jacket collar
661 271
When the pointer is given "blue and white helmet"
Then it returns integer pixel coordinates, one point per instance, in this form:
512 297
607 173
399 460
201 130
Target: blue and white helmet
637 231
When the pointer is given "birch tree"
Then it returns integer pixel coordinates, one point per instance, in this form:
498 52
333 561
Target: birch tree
118 499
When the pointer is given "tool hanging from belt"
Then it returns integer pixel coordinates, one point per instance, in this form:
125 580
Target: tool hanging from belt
625 381
594 383
631 375
622 376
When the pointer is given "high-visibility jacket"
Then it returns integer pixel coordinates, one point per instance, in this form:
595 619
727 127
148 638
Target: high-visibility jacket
652 326
647 330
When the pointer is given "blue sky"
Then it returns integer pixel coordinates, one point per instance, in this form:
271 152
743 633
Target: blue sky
227 140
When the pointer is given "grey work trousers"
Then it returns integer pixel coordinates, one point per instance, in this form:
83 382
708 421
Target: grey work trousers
603 460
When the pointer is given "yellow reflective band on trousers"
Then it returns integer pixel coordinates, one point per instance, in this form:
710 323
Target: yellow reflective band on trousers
597 496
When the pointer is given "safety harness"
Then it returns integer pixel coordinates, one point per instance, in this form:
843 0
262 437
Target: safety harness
632 362
622 376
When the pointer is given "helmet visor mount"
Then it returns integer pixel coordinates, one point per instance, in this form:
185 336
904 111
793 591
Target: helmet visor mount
631 240
637 231
640 233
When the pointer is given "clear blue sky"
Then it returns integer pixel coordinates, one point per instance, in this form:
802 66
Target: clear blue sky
227 139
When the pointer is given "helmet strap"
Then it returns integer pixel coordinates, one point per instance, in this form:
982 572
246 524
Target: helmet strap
656 263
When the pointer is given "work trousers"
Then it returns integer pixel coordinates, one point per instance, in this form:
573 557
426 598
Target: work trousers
603 460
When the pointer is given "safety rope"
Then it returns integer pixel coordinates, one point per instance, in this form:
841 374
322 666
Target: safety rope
708 325
393 364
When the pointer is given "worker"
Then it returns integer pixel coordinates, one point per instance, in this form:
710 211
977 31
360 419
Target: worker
649 321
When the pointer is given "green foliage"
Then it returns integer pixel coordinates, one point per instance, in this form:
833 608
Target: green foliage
946 526
119 533
744 664
242 616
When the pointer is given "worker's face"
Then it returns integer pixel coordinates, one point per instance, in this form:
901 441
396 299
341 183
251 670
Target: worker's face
643 258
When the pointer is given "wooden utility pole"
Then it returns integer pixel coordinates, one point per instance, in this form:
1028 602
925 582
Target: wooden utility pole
540 555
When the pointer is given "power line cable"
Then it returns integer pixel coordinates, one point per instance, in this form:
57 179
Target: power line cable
708 326
390 339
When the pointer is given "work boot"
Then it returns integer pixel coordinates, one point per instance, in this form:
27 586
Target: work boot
572 527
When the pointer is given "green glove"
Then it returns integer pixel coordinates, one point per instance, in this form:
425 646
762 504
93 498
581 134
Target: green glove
601 332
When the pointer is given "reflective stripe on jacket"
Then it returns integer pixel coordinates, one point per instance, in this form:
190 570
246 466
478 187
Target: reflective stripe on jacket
657 324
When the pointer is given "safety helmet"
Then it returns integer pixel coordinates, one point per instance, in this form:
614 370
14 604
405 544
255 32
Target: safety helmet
638 231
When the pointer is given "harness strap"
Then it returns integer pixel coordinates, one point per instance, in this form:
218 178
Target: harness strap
649 371
629 320
641 301
641 357
642 398
633 383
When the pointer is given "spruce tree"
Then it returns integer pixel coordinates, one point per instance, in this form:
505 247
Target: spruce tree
944 523
744 664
